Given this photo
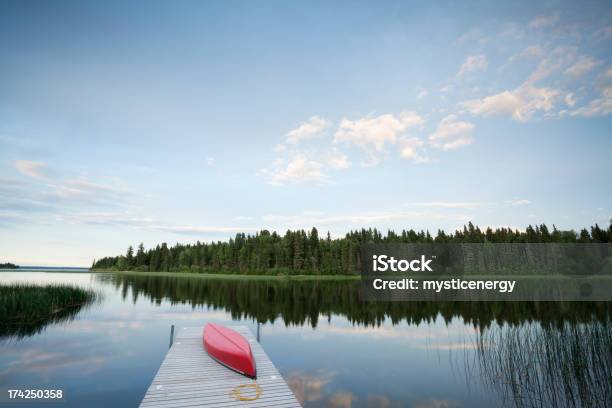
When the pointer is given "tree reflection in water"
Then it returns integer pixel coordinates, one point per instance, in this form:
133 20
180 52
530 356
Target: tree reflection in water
543 354
303 302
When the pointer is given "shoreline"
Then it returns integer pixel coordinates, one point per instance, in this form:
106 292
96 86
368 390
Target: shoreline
230 276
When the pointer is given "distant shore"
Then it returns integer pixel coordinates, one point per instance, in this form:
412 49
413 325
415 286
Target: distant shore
231 276
65 269
8 265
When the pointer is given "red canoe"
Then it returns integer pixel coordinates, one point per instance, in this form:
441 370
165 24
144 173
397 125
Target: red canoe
230 349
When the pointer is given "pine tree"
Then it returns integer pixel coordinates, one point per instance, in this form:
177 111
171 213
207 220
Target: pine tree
300 252
140 255
164 258
129 258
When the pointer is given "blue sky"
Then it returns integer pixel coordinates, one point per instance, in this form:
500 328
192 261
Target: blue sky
184 121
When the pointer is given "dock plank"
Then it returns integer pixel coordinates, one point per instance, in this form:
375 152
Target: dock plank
188 377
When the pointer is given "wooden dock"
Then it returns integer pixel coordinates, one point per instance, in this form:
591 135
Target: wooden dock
188 377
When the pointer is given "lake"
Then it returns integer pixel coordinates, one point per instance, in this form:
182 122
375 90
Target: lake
332 349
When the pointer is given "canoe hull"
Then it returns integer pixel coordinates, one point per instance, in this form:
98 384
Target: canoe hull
230 349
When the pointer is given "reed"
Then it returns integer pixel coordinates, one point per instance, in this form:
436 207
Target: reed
542 365
28 309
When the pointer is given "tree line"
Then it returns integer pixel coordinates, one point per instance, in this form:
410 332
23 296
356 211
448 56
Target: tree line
300 252
8 265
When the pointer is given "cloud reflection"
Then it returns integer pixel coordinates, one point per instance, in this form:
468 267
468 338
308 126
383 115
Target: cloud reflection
437 403
308 387
342 399
43 362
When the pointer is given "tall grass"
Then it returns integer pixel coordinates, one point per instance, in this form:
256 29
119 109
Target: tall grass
27 309
535 365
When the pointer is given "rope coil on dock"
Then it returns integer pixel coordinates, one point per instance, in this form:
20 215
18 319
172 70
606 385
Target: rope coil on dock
237 392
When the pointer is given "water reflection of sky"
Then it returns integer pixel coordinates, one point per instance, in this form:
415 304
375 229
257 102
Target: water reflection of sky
400 365
110 352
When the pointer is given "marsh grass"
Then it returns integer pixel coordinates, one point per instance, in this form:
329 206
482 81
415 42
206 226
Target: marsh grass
535 365
27 309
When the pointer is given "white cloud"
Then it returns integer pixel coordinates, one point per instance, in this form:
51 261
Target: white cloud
597 107
422 94
450 204
279 148
243 218
336 160
523 102
197 230
446 88
57 197
210 161
409 149
313 127
107 218
369 218
299 164
544 21
138 222
80 188
472 36
372 133
503 102
518 202
32 168
299 170
452 134
83 194
520 103
557 58
473 63
582 66
528 52
569 100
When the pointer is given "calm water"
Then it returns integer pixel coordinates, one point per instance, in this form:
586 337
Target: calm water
332 349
